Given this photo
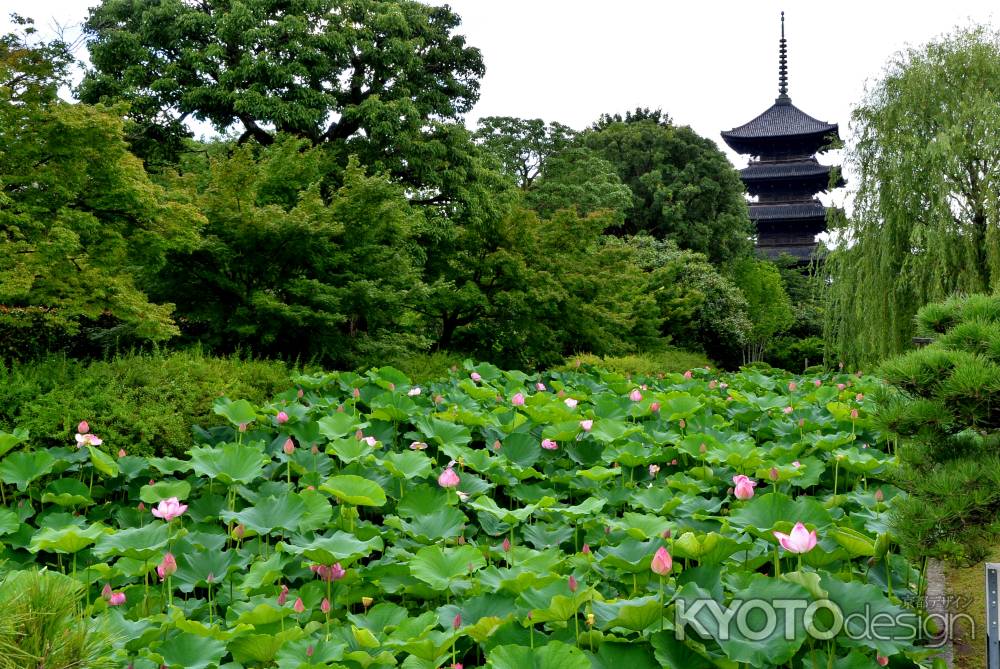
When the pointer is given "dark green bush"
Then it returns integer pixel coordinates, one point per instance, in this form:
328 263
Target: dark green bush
944 407
143 403
641 364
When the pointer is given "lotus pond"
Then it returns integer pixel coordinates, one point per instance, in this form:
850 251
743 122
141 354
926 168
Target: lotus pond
490 519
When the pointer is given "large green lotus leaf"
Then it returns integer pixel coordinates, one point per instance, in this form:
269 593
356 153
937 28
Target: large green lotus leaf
161 490
355 490
854 660
510 516
555 601
632 614
442 431
350 449
629 454
269 513
856 460
338 547
861 604
621 654
102 462
547 535
707 549
339 425
438 567
673 653
492 605
642 525
392 407
261 649
256 613
133 634
22 468
678 406
317 513
323 653
169 465
856 543
521 448
607 430
764 512
659 500
237 413
9 440
553 655
138 543
189 651
382 619
587 507
413 628
230 463
264 572
194 569
562 430
443 523
407 464
598 474
432 646
9 522
630 555
65 539
66 492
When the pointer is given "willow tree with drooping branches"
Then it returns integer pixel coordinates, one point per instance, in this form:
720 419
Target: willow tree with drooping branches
926 149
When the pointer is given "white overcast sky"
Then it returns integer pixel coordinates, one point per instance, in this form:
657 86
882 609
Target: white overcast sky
709 64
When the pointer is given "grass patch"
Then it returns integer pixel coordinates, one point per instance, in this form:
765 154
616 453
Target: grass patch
966 587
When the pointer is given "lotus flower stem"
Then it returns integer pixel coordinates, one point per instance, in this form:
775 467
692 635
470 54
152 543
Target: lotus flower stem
662 603
836 472
531 631
576 627
777 563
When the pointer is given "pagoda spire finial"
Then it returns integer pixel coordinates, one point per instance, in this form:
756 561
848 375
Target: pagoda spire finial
783 65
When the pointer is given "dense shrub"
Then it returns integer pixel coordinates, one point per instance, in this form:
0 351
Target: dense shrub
641 364
145 404
945 409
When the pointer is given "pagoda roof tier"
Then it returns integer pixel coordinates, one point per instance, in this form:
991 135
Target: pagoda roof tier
791 210
781 125
766 171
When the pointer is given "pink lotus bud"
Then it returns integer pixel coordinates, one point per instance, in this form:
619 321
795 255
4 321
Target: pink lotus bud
310 650
141 507
314 450
666 534
573 585
83 427
438 399
713 384
476 377
106 591
674 462
817 383
586 425
282 418
116 599
242 427
457 621
796 464
517 400
879 496
773 474
702 449
298 606
505 545
743 487
802 422
356 393
288 447
787 410
448 478
654 407
549 445
635 395
283 595
662 562
540 387
840 386
586 549
461 539
324 606
854 414
882 660
687 374
167 567
792 387
682 423
654 470
300 393
496 445
121 452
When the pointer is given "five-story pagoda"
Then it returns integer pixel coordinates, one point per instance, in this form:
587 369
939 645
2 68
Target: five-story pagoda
784 175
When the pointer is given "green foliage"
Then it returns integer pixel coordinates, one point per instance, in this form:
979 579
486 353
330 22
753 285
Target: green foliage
145 404
943 408
523 146
684 189
648 364
768 305
42 625
700 308
81 226
927 152
578 179
365 76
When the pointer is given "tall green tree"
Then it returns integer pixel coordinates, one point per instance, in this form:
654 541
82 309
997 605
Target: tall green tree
768 305
358 74
522 145
926 149
683 187
82 228
577 178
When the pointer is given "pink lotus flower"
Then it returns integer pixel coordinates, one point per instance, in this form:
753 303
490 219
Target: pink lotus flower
83 427
418 446
121 452
517 400
242 427
796 464
788 410
168 509
298 606
654 407
799 541
570 402
167 567
413 392
817 383
324 606
288 447
282 418
635 395
475 377
283 595
88 439
549 445
573 585
882 660
723 385
540 387
328 573
662 562
687 374
743 486
712 384
586 425
116 599
371 441
448 478
654 469
792 386
840 386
